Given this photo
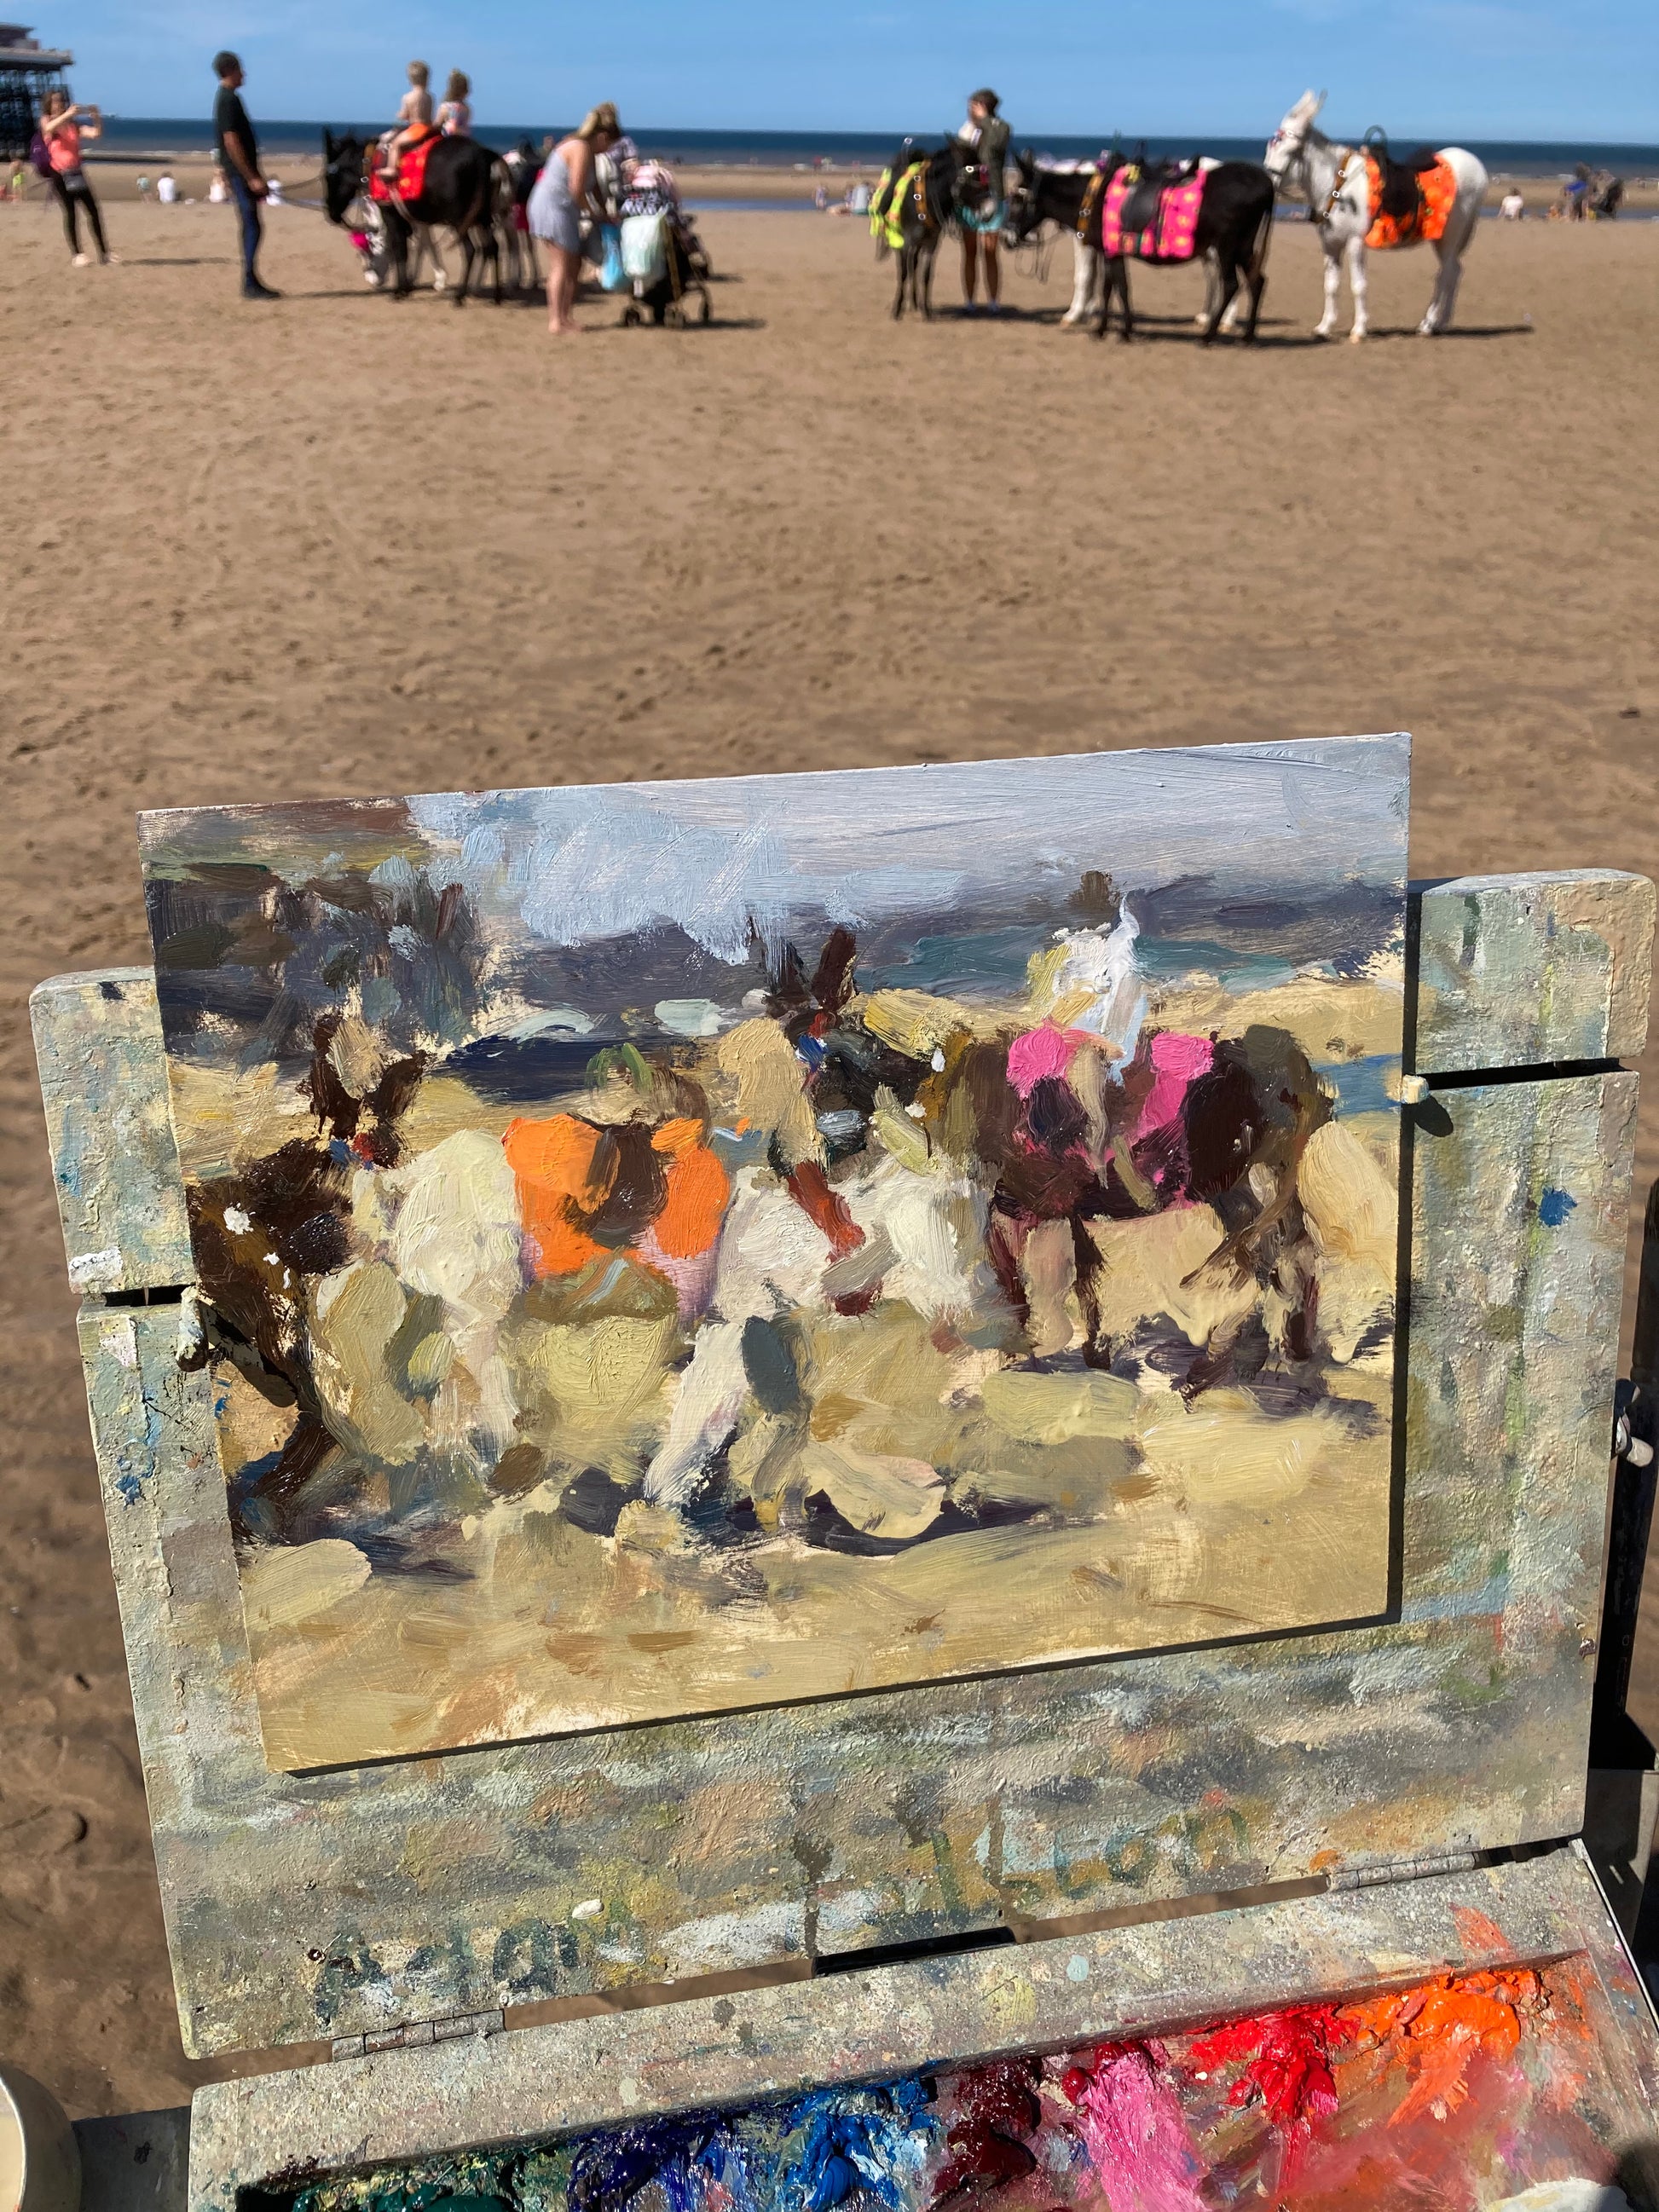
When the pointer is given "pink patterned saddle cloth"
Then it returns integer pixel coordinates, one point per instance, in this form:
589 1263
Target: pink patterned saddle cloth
1169 236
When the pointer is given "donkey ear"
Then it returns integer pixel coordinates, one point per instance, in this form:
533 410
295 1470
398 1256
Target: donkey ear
1319 103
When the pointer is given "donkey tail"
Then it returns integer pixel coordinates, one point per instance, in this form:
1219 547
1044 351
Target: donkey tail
1263 240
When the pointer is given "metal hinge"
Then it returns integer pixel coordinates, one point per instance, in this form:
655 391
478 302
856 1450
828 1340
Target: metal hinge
415 2034
1367 1877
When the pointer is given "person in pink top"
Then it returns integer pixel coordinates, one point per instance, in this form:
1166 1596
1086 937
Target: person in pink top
63 126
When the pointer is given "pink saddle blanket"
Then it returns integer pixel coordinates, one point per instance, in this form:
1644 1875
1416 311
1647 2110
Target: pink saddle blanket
1173 231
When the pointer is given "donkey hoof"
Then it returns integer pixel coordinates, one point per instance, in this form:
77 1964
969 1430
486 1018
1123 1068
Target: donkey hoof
1356 338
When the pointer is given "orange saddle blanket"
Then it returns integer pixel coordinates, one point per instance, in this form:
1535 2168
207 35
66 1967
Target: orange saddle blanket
1437 195
411 170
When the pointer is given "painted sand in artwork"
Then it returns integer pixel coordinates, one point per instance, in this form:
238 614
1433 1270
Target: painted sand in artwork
665 1248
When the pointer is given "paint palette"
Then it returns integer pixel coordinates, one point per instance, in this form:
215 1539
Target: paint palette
1440 2094
699 1385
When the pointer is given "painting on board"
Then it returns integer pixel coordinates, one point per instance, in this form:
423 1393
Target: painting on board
667 1248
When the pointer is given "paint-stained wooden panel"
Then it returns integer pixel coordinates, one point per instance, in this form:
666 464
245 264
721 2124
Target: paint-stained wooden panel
297 1907
1101 1988
1516 971
97 1041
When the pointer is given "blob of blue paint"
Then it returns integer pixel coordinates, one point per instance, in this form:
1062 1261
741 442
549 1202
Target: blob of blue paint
1554 1206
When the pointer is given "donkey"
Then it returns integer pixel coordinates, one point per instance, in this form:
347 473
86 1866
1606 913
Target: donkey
921 211
1070 199
1075 198
465 190
1335 183
1234 229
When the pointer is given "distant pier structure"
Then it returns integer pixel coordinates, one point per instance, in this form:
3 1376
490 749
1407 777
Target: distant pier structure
28 71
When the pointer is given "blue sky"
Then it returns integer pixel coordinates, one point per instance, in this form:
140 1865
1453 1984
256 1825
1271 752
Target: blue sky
1442 69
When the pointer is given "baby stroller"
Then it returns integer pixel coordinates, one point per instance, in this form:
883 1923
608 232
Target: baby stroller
661 253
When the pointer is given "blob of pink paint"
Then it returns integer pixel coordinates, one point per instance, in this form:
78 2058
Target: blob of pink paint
1134 2131
1037 1053
1177 1062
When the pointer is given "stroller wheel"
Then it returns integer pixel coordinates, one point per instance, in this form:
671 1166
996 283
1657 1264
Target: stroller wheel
631 317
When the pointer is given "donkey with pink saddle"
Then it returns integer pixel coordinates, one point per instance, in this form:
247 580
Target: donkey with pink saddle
1164 214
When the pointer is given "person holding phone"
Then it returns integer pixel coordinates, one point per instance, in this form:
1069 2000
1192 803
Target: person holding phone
63 126
238 152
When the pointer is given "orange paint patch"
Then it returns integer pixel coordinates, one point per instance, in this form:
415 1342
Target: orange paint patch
698 1188
552 1163
1438 2031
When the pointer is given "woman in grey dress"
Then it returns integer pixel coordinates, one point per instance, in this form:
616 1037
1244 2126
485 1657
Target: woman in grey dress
564 188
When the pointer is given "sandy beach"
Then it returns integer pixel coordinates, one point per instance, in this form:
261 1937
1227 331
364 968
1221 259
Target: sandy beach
340 545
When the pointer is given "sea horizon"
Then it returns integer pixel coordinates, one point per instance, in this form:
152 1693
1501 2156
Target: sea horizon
129 138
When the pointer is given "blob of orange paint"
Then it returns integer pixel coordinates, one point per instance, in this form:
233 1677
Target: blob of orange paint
698 1188
552 1164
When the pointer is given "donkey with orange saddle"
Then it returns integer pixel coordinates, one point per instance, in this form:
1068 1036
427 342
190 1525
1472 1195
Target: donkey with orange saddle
1359 198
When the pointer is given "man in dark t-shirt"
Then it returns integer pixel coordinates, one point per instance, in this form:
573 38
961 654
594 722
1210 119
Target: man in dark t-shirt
239 155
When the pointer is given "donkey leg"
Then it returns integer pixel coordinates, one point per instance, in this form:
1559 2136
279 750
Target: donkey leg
1079 306
1087 1267
1108 286
903 259
1226 293
930 258
1005 1245
1445 290
1359 285
1258 287
1326 326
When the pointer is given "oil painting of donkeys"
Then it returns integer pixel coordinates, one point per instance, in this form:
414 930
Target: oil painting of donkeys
666 1248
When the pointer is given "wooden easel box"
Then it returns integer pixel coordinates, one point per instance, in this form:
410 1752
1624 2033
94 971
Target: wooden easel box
401 1911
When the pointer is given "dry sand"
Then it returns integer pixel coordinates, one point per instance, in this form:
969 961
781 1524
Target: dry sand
340 545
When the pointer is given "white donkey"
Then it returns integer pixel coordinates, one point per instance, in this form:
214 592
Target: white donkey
1334 181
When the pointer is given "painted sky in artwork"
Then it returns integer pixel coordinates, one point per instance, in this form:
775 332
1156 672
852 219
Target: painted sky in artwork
671 1248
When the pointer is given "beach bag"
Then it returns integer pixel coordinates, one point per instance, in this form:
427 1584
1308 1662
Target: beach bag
613 273
39 155
645 248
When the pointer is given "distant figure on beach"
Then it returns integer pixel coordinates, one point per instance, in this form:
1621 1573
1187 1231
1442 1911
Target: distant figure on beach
273 191
238 153
63 128
455 109
218 190
1513 206
821 197
984 138
167 189
1576 192
142 182
562 193
414 119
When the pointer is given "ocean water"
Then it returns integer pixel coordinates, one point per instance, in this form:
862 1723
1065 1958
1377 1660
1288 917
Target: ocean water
150 138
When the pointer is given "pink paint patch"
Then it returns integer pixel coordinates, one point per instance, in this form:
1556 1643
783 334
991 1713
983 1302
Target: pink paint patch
1131 2122
693 1279
1177 1062
1040 1053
